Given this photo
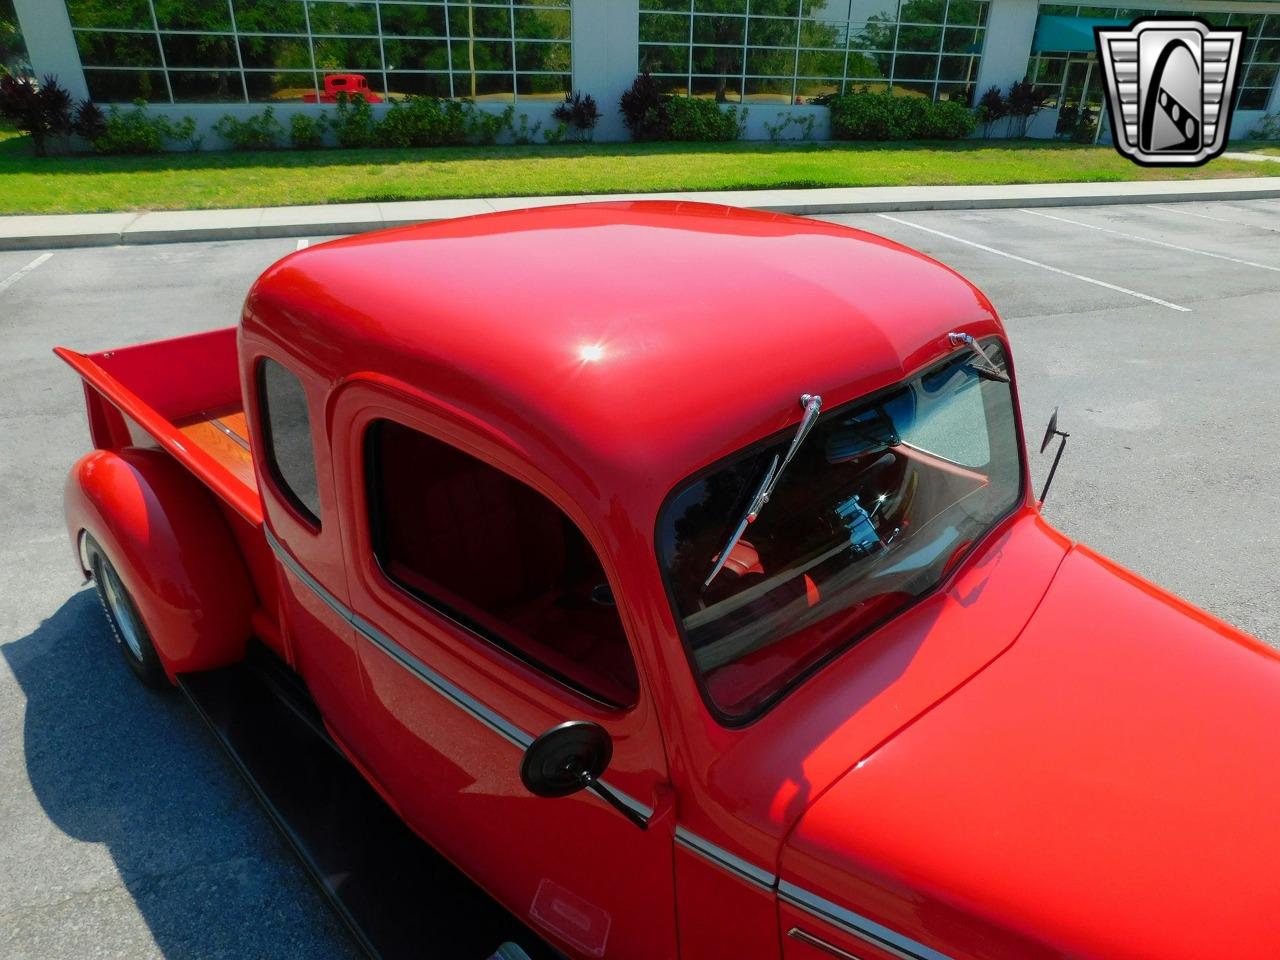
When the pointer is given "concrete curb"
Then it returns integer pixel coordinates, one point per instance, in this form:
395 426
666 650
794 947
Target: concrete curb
110 229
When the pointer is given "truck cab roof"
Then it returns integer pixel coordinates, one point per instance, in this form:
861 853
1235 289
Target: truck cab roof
642 339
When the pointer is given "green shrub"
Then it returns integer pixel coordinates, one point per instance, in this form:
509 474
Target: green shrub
484 127
423 122
260 131
307 132
1268 128
883 116
353 123
579 113
134 131
693 118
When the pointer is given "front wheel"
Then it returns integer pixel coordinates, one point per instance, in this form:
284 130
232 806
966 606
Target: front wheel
126 623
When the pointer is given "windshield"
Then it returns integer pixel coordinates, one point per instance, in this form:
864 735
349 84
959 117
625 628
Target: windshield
882 498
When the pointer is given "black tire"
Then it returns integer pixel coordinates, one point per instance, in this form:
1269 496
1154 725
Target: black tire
126 623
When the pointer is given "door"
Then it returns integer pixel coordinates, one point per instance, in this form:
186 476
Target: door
486 617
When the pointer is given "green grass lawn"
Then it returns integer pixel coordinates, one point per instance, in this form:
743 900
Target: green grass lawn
172 181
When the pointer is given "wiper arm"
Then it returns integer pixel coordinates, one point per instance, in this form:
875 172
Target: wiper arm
812 407
982 363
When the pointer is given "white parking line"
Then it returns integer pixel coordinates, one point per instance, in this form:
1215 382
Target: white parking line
1155 243
304 243
1173 208
13 278
1037 263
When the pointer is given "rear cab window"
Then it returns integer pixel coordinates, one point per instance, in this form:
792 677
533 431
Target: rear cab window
286 427
496 557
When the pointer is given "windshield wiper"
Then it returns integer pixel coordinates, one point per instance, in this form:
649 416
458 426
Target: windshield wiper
812 407
982 363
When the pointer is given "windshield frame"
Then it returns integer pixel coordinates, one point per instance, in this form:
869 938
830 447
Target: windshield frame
782 436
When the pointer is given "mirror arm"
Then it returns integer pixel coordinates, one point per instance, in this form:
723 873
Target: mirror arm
611 798
1062 445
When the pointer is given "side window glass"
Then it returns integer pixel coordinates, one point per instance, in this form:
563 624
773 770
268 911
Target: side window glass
286 424
497 557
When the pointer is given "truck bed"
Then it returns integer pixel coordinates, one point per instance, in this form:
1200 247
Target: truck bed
183 396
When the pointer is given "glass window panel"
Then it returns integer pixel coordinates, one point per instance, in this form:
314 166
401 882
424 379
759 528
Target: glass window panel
206 86
542 86
770 32
823 8
873 35
269 86
199 50
958 68
212 15
1267 51
118 49
412 20
719 29
332 17
912 88
717 60
493 87
416 54
967 12
270 16
125 86
127 14
290 53
823 34
672 84
1271 27
725 6
664 28
820 63
807 88
542 24
723 89
914 66
664 59
914 39
481 55
684 5
963 40
867 66
922 11
1253 99
863 10
468 20
1252 22
768 90
959 92
341 53
543 57
1051 71
771 63
418 85
1261 75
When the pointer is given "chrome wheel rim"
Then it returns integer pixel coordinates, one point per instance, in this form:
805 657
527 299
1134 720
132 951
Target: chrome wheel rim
121 612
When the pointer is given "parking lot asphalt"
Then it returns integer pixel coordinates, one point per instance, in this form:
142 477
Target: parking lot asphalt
124 833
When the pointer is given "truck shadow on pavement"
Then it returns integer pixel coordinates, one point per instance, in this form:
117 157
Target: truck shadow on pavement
115 764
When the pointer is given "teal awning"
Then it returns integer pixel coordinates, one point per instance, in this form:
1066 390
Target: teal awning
1056 34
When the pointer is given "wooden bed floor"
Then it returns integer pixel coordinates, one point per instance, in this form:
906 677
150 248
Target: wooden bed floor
224 435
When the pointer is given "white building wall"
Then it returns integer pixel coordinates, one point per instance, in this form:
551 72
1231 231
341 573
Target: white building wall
51 46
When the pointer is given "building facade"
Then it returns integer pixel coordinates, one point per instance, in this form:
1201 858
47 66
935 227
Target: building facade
779 59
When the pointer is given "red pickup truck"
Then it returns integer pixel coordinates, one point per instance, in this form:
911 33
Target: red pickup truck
675 571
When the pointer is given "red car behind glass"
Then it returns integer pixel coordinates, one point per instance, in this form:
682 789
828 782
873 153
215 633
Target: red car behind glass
352 84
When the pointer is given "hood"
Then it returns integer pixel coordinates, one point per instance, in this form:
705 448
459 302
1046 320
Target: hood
1108 787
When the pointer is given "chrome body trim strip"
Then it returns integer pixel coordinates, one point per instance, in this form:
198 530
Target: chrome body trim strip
878 935
464 701
804 936
723 858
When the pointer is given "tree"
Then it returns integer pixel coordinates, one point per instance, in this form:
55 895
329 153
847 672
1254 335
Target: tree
13 50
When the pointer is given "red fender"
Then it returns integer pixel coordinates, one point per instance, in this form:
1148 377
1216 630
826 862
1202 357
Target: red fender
172 549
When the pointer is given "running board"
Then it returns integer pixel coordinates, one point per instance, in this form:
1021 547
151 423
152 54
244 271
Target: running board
399 897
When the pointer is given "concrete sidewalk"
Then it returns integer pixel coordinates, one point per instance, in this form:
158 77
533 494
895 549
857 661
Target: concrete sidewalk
108 229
